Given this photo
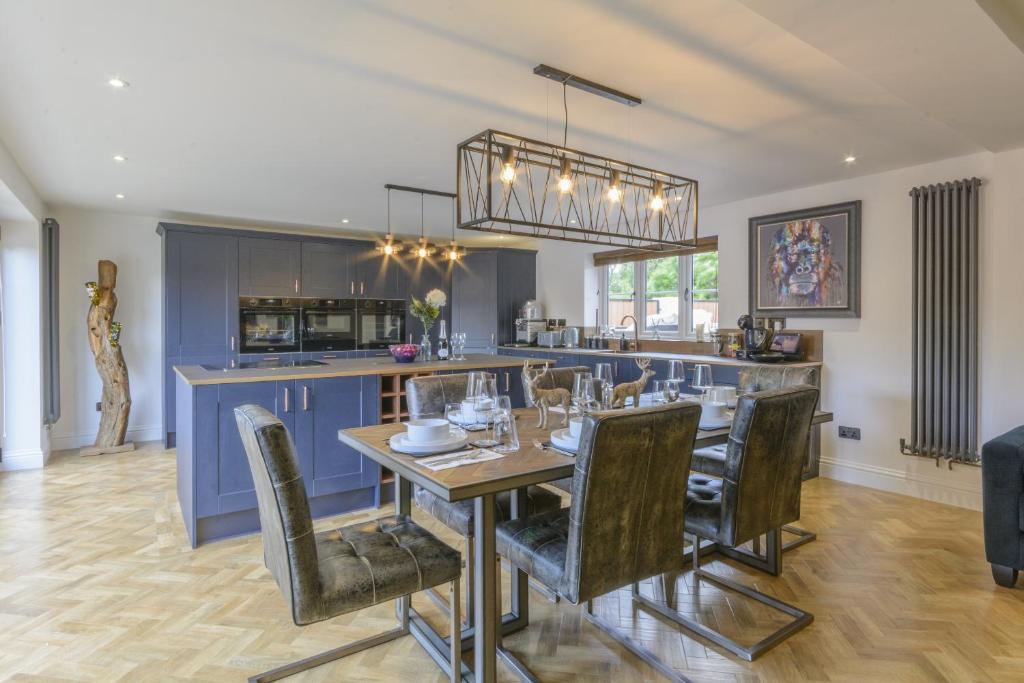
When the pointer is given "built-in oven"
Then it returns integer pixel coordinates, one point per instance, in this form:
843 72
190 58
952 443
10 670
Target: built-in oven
381 323
270 325
329 324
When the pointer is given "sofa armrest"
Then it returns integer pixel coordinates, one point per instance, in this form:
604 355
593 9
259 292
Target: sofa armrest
1002 464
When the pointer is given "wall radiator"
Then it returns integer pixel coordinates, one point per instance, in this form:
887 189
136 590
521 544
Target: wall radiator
944 336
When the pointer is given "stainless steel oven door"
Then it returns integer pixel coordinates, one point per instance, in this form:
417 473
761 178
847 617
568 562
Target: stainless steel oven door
329 329
270 330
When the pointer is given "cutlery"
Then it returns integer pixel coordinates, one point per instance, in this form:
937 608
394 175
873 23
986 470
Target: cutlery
548 447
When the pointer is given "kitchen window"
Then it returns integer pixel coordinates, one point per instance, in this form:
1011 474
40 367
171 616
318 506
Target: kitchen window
667 296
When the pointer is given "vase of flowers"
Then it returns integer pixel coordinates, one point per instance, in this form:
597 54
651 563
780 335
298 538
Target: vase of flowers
427 310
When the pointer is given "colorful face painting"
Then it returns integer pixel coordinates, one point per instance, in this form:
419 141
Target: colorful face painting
801 266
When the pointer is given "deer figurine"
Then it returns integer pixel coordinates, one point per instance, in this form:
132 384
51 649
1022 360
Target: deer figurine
545 398
634 389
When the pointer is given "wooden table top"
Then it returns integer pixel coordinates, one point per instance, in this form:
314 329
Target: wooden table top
529 465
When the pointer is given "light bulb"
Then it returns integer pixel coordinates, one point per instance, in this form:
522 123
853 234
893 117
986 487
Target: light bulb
658 196
564 185
508 174
614 193
388 249
508 164
422 252
118 83
565 181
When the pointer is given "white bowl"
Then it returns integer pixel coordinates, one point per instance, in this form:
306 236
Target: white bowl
469 409
712 411
427 430
723 394
576 427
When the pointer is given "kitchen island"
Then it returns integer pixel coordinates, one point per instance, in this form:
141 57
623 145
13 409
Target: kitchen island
215 488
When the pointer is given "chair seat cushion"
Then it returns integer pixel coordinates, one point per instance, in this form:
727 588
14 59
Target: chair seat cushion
371 562
537 545
710 460
458 516
704 506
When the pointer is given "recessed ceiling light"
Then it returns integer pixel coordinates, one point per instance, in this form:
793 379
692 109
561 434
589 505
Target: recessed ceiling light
118 82
119 196
850 159
501 237
344 220
119 157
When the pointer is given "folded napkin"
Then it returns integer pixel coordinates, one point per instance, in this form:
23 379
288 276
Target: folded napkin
449 460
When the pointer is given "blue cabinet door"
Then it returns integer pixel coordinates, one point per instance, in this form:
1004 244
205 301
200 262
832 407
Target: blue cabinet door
474 297
269 267
323 407
379 276
200 295
327 270
223 478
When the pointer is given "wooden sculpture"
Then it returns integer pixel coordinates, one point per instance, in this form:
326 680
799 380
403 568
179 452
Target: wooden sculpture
634 389
545 398
104 341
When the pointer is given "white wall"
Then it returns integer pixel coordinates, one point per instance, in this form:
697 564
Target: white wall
866 378
131 242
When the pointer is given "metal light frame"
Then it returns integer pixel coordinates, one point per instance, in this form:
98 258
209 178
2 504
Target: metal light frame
531 205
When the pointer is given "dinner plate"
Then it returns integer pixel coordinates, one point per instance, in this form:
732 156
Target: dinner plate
715 424
562 440
400 442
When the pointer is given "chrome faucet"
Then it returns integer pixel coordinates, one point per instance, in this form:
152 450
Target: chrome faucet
636 331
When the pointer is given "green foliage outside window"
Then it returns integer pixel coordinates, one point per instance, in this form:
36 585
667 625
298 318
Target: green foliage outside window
705 276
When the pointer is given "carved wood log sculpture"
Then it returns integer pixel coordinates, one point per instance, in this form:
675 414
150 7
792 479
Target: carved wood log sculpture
623 391
104 341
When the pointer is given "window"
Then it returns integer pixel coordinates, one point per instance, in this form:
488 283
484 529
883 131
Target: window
668 296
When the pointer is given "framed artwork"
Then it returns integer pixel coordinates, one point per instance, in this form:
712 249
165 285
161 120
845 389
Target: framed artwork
806 264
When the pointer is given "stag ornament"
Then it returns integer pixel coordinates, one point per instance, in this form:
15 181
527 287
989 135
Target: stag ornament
634 389
545 398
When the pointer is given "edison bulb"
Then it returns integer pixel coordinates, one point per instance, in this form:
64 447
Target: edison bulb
657 203
614 194
422 252
508 173
564 184
453 255
389 250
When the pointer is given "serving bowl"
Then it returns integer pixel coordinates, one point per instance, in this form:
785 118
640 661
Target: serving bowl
404 353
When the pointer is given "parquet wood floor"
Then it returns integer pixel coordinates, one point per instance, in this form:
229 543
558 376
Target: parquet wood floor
98 583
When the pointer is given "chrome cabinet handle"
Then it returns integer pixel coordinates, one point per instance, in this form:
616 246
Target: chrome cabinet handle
361 284
232 342
272 358
287 400
296 285
352 287
329 355
305 397
508 380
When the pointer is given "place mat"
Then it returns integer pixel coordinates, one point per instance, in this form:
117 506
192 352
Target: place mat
449 460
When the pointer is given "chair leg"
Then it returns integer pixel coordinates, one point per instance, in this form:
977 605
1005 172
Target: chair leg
770 562
442 603
455 631
1004 576
804 535
632 645
800 617
343 651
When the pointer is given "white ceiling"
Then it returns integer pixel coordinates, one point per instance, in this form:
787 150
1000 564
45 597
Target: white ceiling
299 112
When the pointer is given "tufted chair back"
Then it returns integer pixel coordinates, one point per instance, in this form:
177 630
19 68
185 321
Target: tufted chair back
428 395
555 378
767 377
764 461
626 515
285 522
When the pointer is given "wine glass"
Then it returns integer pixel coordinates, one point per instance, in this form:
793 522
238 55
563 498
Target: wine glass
459 345
475 383
702 378
582 392
484 411
672 389
676 370
453 413
605 381
659 395
506 435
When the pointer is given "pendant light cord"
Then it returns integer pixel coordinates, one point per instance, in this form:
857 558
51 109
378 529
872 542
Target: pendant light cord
565 109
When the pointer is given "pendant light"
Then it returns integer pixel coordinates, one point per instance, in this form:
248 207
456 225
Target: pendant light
614 193
564 176
424 248
658 196
453 253
390 246
508 164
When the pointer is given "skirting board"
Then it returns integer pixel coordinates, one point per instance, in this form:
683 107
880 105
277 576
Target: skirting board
26 459
75 441
914 484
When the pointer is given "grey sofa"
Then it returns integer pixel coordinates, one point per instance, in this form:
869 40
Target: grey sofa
1002 485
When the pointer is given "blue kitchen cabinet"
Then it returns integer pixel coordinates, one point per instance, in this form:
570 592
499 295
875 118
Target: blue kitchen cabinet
269 267
488 288
323 406
328 270
379 276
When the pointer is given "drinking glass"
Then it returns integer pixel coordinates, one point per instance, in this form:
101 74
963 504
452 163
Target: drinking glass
583 392
475 383
605 383
672 388
505 433
676 370
484 413
660 392
453 413
702 378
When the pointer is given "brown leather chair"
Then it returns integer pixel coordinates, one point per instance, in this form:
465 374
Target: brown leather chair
758 493
428 396
328 573
625 521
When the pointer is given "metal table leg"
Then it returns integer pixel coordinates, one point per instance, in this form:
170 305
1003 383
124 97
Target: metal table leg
485 611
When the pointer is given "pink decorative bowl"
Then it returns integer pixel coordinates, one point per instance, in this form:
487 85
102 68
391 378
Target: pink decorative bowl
404 353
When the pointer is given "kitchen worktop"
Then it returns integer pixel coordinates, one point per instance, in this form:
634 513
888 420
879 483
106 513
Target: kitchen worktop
687 357
353 367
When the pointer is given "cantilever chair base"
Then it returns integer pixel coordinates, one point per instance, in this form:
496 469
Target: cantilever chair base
403 629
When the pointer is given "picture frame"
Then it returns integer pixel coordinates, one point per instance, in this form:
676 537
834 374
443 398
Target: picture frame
806 263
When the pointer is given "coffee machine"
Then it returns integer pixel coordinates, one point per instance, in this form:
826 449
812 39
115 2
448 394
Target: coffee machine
530 323
756 337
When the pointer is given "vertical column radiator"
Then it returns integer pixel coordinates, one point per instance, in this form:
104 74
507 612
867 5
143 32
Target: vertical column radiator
944 336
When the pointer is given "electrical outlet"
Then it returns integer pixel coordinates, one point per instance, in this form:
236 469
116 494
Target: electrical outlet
849 433
99 406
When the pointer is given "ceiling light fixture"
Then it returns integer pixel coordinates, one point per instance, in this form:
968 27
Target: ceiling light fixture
658 197
344 220
508 165
565 176
119 158
425 248
614 193
850 159
118 196
118 83
390 246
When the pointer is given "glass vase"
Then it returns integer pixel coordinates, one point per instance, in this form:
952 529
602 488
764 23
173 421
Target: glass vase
425 351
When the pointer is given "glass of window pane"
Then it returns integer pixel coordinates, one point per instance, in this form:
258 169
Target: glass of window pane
621 291
704 286
661 302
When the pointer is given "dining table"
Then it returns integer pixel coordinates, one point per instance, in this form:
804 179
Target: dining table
535 462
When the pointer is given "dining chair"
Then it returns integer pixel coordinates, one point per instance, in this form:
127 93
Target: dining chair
757 494
625 521
328 573
428 396
711 460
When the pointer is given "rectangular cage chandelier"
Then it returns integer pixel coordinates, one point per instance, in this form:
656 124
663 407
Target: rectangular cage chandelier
511 185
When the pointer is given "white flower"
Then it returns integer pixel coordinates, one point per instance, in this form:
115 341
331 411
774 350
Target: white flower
436 297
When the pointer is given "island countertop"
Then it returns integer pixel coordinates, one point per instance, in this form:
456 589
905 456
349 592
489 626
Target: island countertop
542 351
342 367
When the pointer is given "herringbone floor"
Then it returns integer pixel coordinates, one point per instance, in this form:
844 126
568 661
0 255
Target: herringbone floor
97 583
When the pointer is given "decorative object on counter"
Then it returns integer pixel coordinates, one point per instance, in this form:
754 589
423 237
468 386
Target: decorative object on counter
699 331
806 263
635 388
756 337
443 350
545 398
427 310
404 353
104 341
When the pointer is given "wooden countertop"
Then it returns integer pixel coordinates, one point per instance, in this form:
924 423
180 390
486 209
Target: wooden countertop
688 357
341 367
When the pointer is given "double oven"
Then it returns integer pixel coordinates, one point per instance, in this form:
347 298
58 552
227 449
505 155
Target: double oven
288 325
